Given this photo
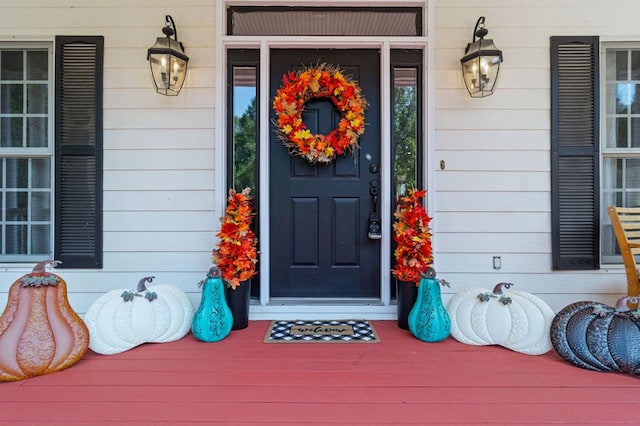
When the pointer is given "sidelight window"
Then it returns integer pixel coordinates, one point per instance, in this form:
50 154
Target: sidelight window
243 136
406 123
406 127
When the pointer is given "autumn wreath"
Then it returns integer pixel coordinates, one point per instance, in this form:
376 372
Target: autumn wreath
321 81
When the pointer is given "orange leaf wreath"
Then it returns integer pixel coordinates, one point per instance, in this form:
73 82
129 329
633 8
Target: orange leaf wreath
236 254
321 81
413 252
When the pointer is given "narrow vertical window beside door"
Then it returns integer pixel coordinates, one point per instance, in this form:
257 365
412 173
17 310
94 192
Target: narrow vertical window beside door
406 128
244 128
405 131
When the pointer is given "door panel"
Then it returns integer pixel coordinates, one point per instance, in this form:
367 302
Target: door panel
319 213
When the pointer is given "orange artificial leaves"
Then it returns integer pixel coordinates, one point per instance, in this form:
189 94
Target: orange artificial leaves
413 253
322 81
236 254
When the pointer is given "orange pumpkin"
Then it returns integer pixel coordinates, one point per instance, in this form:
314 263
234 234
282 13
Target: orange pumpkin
39 331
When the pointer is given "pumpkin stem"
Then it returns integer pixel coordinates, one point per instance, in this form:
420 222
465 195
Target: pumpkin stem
40 277
498 288
621 304
429 273
41 266
141 284
214 272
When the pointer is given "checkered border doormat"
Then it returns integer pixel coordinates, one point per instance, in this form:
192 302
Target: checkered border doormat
279 332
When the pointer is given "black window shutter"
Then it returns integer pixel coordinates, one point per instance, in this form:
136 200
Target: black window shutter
78 151
575 209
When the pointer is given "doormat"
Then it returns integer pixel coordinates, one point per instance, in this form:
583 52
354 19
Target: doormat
344 331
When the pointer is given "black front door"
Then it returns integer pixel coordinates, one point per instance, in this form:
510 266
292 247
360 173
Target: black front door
319 214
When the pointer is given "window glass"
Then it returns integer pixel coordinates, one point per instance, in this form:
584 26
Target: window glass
11 98
37 98
37 65
25 155
634 68
11 131
37 132
11 65
245 127
242 123
621 183
405 130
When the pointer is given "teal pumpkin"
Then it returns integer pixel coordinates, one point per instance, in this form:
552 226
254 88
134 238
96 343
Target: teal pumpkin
428 319
213 320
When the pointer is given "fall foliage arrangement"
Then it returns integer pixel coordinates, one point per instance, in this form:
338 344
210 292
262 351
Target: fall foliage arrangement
236 254
413 253
321 81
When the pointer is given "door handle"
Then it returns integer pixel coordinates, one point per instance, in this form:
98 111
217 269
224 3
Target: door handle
375 227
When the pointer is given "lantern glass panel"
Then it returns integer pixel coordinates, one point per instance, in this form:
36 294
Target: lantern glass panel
480 74
168 66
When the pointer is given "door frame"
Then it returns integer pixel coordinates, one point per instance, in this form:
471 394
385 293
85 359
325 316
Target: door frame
378 309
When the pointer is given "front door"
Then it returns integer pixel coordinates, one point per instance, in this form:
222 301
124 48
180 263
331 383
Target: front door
319 214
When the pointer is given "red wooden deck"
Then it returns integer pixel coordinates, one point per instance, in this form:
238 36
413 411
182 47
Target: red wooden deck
241 380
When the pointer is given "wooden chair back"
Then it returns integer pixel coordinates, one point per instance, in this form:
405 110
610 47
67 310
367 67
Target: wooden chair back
626 226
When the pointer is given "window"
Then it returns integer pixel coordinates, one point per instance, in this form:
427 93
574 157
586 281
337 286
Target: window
592 170
406 127
26 153
581 192
621 136
405 130
51 158
243 124
243 137
406 124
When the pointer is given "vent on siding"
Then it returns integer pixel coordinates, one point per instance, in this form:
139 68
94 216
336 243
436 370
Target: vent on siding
78 242
574 150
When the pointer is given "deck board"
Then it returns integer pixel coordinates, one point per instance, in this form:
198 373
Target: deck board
241 380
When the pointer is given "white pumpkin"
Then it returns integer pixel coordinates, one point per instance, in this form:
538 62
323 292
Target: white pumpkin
123 319
516 320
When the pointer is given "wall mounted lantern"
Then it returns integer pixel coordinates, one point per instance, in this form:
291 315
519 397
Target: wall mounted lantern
481 63
167 61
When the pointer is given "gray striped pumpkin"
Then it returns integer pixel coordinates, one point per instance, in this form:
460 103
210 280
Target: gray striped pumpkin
599 337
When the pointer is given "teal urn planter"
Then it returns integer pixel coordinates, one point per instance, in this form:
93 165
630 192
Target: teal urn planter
213 320
428 319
